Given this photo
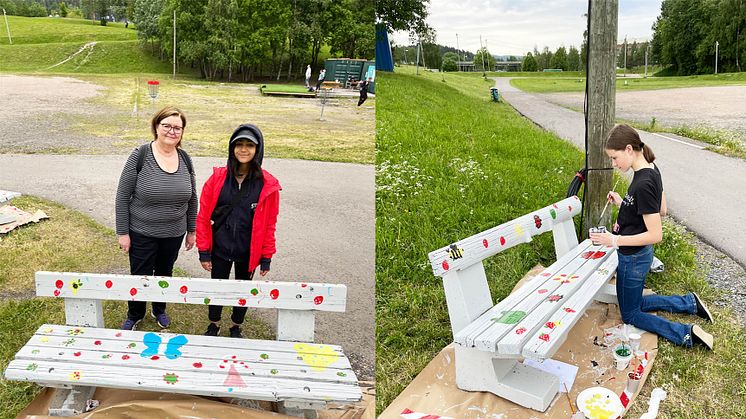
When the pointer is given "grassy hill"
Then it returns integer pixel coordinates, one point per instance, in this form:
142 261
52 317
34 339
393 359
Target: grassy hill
56 45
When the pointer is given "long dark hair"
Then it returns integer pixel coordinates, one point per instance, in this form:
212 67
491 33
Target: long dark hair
255 171
623 135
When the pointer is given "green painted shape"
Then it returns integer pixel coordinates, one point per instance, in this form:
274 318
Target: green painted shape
553 213
273 371
264 356
510 317
163 284
207 301
254 291
341 374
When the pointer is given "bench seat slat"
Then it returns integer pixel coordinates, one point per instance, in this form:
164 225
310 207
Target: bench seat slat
478 247
227 292
197 346
512 343
471 334
232 384
563 320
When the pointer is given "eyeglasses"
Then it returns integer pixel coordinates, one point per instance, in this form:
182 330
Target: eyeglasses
169 127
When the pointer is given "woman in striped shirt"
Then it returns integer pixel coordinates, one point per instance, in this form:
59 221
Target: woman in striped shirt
156 205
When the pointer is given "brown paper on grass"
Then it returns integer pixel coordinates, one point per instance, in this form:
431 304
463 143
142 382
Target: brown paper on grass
128 404
23 217
434 390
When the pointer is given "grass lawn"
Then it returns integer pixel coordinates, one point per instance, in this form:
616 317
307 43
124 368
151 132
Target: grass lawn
284 88
67 241
450 164
577 83
42 30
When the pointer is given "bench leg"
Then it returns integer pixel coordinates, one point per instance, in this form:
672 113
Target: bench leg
480 371
607 294
305 410
70 401
295 325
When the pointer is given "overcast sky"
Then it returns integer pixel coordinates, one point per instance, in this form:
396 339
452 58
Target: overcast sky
516 26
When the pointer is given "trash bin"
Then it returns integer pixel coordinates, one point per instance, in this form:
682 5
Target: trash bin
495 94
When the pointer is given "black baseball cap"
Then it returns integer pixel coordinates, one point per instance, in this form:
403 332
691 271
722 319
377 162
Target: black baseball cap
245 134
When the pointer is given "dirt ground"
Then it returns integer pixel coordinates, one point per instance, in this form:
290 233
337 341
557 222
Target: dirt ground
719 107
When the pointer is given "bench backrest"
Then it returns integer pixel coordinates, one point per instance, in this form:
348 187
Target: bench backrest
460 264
296 301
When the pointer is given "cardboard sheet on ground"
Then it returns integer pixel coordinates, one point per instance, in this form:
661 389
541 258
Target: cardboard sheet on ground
22 217
434 391
126 404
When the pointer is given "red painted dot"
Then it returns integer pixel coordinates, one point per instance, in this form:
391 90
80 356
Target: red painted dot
59 283
242 302
77 354
109 283
98 342
56 293
155 357
485 243
233 357
569 207
222 366
445 265
133 292
183 289
303 285
125 357
318 299
274 294
119 334
197 365
225 360
502 241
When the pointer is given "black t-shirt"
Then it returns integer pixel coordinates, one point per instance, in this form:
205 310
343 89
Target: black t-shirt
644 196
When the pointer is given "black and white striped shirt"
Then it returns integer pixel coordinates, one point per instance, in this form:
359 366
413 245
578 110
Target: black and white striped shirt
156 203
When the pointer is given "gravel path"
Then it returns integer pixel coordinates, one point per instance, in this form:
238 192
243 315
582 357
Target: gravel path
718 107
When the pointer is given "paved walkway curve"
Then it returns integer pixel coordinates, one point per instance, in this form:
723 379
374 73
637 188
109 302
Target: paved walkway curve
325 231
705 191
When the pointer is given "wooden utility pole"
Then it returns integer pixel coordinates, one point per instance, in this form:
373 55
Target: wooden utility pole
602 38
174 76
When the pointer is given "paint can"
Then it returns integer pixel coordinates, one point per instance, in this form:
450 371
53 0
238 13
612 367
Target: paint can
634 341
599 229
633 382
622 355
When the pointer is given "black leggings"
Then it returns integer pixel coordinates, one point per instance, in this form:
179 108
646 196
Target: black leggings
151 256
221 269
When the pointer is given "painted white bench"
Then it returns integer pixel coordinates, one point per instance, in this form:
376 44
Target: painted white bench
82 355
532 322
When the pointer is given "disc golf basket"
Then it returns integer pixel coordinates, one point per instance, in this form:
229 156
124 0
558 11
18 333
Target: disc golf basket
323 94
153 89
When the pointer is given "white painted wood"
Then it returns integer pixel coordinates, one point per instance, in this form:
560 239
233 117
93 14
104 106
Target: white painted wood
467 295
541 316
545 341
226 292
468 335
607 294
84 312
527 386
6 196
295 325
564 236
474 249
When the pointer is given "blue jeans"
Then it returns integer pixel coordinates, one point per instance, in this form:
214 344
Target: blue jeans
635 307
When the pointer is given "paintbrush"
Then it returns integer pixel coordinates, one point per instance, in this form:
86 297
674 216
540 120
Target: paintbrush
567 393
607 203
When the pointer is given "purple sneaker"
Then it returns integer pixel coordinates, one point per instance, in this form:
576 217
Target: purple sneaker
162 319
130 324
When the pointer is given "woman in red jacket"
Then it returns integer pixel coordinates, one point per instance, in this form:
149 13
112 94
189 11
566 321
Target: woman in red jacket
237 218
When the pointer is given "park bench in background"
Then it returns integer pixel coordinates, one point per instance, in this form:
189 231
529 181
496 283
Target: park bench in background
533 321
82 354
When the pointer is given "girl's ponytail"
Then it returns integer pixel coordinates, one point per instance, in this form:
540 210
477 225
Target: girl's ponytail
623 135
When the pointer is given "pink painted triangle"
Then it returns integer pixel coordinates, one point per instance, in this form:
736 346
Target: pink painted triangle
234 378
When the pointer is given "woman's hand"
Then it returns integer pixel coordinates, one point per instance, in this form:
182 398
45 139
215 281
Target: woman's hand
614 197
191 238
602 239
124 242
207 265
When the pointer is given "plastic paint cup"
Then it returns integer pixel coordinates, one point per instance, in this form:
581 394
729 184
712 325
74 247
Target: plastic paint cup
633 382
600 229
622 355
634 341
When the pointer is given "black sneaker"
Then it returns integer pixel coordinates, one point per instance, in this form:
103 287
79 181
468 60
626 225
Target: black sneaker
701 337
212 329
236 332
702 310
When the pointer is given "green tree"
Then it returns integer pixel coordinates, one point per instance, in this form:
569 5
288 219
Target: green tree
489 60
145 17
559 59
404 15
36 10
63 9
529 63
573 59
450 61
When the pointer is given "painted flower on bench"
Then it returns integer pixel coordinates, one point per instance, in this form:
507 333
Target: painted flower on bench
75 375
593 255
554 298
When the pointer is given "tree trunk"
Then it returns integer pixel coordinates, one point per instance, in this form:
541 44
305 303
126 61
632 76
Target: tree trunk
601 108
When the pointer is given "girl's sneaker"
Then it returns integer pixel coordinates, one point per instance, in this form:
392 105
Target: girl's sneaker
130 324
212 329
162 319
236 332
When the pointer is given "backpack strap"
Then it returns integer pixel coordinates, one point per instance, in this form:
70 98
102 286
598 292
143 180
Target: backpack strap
143 150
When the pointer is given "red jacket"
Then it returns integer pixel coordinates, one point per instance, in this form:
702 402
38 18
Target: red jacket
265 216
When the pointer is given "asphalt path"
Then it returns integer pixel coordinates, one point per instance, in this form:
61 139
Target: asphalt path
705 191
325 230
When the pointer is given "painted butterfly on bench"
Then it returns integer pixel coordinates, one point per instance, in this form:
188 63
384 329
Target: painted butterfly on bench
153 341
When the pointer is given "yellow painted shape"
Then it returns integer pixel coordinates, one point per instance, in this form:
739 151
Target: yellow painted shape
518 229
44 339
318 361
597 410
